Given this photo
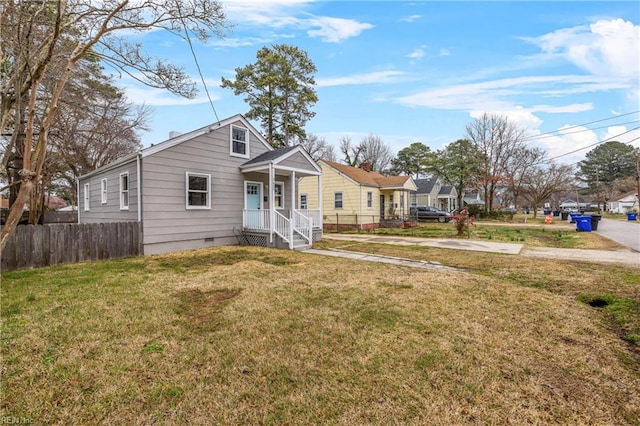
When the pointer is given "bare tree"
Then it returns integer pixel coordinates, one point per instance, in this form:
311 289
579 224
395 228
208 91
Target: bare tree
497 140
45 40
518 166
539 183
351 152
371 150
318 148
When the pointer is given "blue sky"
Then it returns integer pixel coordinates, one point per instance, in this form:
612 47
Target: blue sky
420 71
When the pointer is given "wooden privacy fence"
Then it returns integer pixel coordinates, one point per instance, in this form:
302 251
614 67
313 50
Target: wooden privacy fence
35 246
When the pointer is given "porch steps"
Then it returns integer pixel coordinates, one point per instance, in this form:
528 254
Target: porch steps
300 243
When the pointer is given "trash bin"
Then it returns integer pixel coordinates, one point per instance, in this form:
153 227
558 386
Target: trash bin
564 215
631 216
595 218
556 213
546 212
573 217
583 223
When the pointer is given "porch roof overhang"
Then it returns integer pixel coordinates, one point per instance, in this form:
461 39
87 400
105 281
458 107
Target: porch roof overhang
278 160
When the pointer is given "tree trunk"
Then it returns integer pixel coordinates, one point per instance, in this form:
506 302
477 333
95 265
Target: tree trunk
15 212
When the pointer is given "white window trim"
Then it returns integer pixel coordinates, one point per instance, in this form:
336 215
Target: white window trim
122 192
186 185
103 190
87 197
306 204
369 199
281 195
235 154
341 200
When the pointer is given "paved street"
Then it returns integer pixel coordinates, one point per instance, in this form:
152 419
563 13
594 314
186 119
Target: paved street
623 232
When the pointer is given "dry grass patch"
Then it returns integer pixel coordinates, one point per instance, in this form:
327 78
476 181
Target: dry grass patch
302 339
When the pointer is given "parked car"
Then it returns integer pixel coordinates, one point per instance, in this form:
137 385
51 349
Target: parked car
429 213
509 210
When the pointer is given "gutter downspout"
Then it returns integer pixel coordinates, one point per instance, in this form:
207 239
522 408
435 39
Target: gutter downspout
139 189
78 197
139 192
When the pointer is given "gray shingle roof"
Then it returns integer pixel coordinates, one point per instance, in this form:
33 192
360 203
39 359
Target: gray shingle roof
425 186
270 155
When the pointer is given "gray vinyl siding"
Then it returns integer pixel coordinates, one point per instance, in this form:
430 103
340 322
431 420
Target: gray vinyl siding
109 212
298 161
168 224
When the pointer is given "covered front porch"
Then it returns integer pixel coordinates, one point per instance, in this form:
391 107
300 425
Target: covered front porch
275 214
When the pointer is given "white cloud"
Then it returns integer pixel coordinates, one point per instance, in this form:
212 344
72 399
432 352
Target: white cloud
291 14
377 77
521 117
498 94
444 52
412 18
417 53
334 30
239 42
608 48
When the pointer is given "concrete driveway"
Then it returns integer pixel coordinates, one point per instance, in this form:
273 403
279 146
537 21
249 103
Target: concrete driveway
626 233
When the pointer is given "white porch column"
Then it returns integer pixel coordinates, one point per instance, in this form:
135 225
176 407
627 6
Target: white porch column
320 198
293 193
272 217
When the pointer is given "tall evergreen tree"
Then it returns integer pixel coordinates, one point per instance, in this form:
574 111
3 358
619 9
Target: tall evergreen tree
279 88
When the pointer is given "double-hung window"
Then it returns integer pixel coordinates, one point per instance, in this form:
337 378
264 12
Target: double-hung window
304 204
103 190
278 195
239 142
198 191
124 191
337 200
369 200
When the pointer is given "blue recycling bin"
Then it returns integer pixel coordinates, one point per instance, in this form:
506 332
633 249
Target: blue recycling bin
573 217
631 216
583 223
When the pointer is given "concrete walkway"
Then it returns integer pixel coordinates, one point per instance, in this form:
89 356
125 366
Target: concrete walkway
423 264
625 257
472 245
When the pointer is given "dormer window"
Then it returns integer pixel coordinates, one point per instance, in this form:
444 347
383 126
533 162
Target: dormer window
239 142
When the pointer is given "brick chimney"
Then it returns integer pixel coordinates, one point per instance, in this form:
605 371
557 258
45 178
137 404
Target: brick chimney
365 166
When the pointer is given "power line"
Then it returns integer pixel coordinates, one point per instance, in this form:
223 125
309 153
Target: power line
582 125
586 130
195 59
593 144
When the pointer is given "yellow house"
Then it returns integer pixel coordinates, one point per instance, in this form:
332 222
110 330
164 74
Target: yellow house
356 197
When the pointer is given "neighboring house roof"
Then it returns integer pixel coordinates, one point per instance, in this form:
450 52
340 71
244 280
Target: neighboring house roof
363 177
425 186
629 196
447 190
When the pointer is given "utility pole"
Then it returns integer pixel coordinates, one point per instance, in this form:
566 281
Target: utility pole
598 189
637 178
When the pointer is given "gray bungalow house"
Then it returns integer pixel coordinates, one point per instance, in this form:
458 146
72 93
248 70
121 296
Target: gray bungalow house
222 184
431 192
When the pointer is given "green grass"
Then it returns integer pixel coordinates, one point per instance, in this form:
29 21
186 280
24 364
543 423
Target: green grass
257 336
533 234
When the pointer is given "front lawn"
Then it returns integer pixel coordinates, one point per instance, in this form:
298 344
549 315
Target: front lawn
241 335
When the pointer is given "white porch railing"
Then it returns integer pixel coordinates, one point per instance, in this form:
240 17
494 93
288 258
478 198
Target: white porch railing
282 227
303 225
300 223
256 219
314 215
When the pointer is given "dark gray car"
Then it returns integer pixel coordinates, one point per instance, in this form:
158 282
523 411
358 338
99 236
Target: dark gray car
429 213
